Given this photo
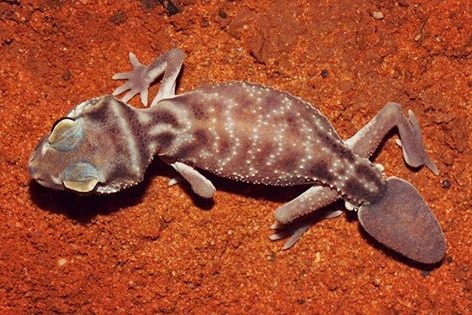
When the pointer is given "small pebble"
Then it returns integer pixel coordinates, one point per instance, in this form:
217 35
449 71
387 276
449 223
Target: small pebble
66 75
445 184
377 15
61 262
324 73
377 282
222 14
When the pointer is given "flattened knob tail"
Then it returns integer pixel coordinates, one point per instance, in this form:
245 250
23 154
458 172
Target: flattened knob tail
402 221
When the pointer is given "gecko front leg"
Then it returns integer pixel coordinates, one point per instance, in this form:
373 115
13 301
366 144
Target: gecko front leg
139 80
141 77
199 183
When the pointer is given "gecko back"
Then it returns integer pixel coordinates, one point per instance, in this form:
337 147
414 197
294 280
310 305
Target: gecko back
255 134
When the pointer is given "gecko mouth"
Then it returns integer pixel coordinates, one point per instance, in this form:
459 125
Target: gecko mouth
33 173
47 183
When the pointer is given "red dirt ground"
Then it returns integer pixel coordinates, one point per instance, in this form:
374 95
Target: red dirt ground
156 249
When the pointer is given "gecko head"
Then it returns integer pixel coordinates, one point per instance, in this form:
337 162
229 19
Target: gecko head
84 152
402 221
57 162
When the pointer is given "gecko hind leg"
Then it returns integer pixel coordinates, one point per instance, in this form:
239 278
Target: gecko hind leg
308 202
295 232
312 199
366 140
141 77
294 229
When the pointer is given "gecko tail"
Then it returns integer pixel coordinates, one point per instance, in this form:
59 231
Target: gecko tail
402 221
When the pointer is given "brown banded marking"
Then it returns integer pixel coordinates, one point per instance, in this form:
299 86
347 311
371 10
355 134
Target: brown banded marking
320 171
336 166
220 142
121 132
165 140
225 142
166 117
202 136
366 185
129 127
169 120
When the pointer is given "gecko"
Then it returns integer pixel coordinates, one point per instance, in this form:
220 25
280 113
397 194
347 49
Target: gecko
244 132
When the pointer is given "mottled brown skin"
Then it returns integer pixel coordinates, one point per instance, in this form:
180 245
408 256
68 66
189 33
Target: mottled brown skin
255 134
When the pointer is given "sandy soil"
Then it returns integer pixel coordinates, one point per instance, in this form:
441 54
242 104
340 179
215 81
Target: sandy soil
157 249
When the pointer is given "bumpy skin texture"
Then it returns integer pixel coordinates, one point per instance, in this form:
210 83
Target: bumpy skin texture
244 132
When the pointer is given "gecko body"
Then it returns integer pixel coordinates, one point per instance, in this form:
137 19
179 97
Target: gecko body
244 132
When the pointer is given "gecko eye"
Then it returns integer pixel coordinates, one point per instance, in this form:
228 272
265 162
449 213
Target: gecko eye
65 134
81 178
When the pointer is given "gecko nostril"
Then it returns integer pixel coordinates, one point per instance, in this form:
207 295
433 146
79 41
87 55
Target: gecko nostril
31 171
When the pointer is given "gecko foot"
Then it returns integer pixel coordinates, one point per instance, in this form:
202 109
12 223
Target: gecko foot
295 230
138 81
142 76
414 153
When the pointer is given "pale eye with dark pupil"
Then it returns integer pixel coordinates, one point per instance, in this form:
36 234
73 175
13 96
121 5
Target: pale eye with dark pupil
65 134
